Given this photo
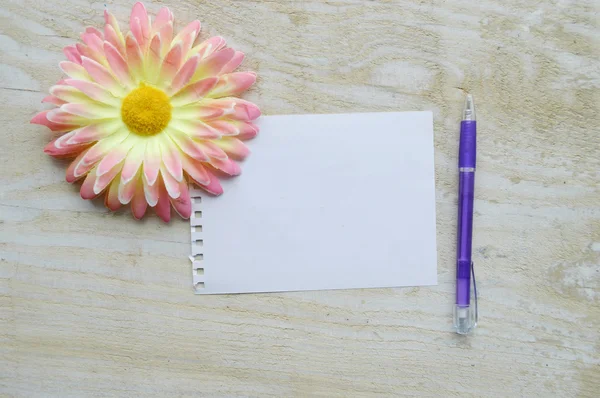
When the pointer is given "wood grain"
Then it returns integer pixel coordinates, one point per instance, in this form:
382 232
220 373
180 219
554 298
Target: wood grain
96 304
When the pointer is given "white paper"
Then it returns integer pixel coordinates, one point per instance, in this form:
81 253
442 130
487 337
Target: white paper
324 202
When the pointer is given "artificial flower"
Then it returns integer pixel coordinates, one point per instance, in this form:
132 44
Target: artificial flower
146 112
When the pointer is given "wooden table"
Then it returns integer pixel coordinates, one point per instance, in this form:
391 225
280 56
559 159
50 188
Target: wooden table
97 304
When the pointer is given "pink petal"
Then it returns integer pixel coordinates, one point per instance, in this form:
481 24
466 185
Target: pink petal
184 75
72 54
139 204
94 31
74 70
171 158
183 204
171 63
233 147
234 63
247 130
116 156
68 94
115 39
152 161
151 192
126 191
188 145
111 200
100 149
209 47
61 117
91 133
242 110
102 76
163 206
233 84
134 55
59 147
212 150
153 56
163 17
94 91
214 186
42 119
85 51
226 165
50 99
188 35
212 65
224 127
87 188
140 24
102 181
70 174
117 64
90 110
195 129
134 160
171 184
195 171
166 37
194 92
94 43
197 111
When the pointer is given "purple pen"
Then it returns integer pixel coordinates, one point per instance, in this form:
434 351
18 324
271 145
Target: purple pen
465 315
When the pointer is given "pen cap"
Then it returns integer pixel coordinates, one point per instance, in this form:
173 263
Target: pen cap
468 144
465 319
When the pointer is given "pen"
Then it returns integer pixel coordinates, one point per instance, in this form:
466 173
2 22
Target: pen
465 315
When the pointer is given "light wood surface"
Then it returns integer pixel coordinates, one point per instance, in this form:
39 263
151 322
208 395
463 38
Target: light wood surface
97 304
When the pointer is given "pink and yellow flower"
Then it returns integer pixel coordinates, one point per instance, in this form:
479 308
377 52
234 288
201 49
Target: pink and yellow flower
145 112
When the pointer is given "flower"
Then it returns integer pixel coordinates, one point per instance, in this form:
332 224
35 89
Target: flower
146 112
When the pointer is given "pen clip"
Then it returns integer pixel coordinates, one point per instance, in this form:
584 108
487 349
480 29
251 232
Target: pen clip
474 293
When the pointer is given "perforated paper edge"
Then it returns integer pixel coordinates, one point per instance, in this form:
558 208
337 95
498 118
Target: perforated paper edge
197 241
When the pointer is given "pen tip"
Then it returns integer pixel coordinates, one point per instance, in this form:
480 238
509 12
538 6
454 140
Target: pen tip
469 112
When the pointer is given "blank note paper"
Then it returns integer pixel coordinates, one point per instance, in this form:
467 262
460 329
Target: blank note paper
324 202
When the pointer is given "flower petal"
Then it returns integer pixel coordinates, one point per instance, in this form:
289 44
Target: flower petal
87 188
195 170
115 156
183 204
91 110
42 118
111 200
188 35
72 54
94 43
163 206
59 148
208 47
117 63
115 39
92 133
153 59
134 56
139 23
171 183
234 63
68 94
214 186
134 160
233 147
93 91
195 129
184 75
152 161
171 158
74 70
226 165
50 99
166 37
171 64
139 204
212 65
197 111
163 17
236 108
212 150
151 192
127 190
100 149
102 181
59 116
102 76
233 84
70 174
188 145
194 92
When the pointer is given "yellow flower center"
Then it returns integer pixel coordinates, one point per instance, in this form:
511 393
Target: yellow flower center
146 110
